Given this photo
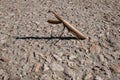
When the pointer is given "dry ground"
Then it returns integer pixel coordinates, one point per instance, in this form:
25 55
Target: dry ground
28 52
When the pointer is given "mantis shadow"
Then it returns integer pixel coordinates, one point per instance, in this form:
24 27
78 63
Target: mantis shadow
48 38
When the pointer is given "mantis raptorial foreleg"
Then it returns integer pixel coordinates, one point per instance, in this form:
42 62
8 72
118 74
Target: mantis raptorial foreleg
68 26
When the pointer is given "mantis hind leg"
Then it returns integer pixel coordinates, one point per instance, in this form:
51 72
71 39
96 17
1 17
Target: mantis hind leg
60 35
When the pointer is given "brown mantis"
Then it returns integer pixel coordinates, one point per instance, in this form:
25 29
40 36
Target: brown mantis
73 30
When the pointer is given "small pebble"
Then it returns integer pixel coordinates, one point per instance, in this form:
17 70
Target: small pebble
4 59
56 67
104 45
116 69
71 64
101 58
60 54
1 71
98 78
95 49
108 72
69 72
45 67
57 58
36 67
88 76
71 57
48 59
2 41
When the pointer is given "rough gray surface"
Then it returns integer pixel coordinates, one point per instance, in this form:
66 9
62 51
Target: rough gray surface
35 57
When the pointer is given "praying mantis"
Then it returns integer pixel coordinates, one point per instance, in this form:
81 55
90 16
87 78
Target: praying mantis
66 24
